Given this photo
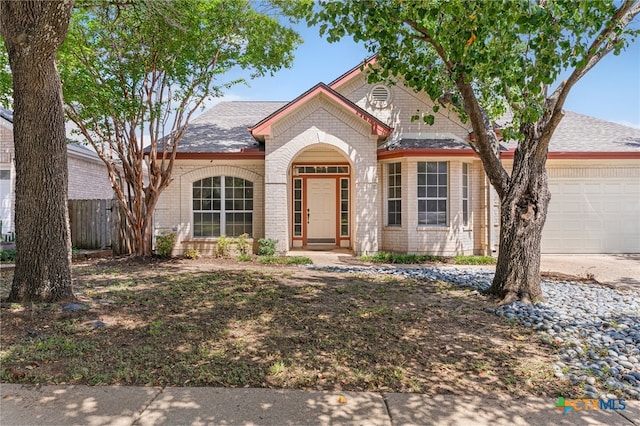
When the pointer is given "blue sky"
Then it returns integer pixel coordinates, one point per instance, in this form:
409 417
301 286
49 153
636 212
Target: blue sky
610 91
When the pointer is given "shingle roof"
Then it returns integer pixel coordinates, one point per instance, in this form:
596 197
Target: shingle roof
577 132
6 114
223 128
427 143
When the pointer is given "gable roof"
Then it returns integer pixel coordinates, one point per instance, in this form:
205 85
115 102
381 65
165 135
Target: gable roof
353 72
263 127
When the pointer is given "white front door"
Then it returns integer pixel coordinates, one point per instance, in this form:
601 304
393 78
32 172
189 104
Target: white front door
321 211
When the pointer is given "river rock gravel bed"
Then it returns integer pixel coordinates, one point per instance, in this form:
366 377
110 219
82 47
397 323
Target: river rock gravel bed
594 329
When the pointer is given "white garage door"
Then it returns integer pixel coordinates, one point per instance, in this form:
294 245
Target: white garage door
593 216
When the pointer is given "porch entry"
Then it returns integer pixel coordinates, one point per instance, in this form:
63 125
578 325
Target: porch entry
321 207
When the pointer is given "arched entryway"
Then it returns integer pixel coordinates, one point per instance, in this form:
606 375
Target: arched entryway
320 199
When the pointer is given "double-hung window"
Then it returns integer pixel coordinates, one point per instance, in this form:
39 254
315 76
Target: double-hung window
433 193
394 194
222 206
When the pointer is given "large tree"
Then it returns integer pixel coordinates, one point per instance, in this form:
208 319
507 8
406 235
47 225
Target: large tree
487 59
32 32
134 73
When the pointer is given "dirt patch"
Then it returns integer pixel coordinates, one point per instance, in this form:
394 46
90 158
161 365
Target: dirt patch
223 323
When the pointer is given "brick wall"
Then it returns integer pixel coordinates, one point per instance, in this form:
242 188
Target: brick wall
320 124
174 209
88 179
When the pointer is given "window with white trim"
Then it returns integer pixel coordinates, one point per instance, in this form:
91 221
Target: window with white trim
433 193
222 206
394 194
465 194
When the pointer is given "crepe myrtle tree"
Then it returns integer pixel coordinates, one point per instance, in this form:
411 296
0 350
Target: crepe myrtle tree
31 32
485 60
135 72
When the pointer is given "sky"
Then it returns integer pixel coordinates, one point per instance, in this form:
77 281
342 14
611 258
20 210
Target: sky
610 91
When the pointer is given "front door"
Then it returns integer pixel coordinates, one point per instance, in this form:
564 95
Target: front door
321 211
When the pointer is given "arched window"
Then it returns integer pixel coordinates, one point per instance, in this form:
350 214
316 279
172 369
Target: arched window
222 206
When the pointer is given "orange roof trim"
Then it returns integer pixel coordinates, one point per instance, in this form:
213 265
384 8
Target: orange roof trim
264 127
353 72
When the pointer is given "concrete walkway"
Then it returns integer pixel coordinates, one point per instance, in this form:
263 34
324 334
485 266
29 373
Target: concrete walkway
146 406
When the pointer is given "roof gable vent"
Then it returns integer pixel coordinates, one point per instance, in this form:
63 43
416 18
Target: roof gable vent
380 96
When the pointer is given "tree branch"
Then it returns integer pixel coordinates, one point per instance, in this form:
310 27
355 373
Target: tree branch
604 43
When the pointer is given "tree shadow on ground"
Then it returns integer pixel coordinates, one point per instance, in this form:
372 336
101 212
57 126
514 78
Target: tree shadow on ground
274 327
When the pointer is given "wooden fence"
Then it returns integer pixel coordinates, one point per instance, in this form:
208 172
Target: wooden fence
99 224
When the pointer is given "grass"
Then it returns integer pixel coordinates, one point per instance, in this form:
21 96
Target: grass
409 259
398 258
284 260
474 260
192 323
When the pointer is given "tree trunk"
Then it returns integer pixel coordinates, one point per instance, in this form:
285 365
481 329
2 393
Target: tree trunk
523 212
32 33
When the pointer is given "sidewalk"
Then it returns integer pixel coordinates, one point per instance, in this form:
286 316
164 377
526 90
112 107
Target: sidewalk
145 406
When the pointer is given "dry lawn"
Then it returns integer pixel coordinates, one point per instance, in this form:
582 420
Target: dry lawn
222 323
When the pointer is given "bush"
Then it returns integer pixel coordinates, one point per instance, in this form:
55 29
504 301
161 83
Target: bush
7 255
397 258
245 258
164 244
242 244
267 247
223 247
191 254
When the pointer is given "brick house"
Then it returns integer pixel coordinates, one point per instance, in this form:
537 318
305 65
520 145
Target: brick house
343 165
88 176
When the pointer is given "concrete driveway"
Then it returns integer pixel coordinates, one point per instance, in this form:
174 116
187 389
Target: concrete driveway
620 271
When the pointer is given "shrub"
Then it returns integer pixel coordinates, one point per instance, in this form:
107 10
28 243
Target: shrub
191 254
397 258
164 244
7 255
223 247
242 244
475 260
244 258
267 247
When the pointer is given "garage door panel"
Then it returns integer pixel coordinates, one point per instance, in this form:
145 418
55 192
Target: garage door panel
593 216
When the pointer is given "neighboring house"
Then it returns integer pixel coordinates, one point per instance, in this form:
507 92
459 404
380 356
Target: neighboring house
343 165
88 176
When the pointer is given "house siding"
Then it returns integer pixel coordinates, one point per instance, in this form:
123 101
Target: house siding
6 163
174 209
448 240
403 104
88 179
322 123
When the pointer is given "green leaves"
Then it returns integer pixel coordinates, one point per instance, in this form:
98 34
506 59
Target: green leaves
509 51
119 60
